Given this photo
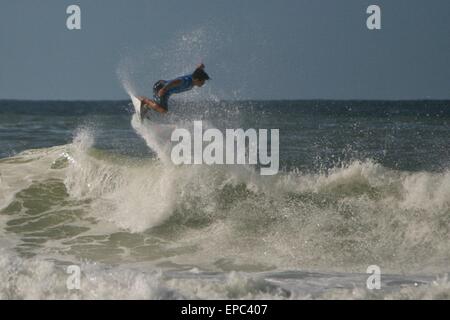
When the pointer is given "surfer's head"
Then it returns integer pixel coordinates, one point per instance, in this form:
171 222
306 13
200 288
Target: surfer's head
199 77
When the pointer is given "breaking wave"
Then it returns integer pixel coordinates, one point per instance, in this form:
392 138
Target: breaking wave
230 217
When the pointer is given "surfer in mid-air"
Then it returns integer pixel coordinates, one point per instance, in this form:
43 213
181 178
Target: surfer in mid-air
163 89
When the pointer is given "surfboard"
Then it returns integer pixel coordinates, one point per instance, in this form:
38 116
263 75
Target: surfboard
137 105
148 104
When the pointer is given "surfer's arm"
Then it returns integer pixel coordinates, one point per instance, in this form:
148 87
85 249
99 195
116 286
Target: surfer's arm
171 84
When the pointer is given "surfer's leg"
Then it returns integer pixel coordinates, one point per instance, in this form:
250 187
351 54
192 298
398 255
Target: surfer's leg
142 109
159 103
155 106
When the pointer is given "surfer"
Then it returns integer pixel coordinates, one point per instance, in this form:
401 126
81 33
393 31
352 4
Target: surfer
163 89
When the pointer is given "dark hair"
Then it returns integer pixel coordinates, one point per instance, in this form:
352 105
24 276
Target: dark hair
200 74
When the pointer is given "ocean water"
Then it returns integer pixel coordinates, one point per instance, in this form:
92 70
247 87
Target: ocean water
361 183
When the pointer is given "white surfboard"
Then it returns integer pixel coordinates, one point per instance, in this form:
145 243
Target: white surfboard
136 103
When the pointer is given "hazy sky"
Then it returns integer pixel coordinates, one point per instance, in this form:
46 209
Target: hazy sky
253 49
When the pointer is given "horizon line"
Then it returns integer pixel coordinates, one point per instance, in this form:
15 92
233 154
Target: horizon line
233 100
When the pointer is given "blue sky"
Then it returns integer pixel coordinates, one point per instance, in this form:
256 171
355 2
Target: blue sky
252 49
